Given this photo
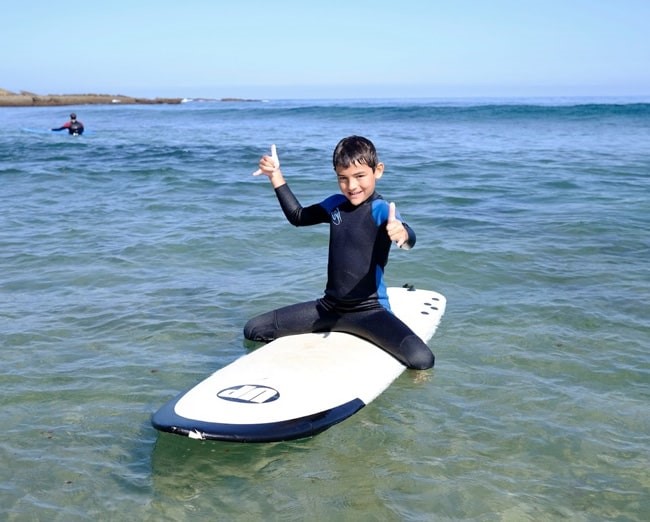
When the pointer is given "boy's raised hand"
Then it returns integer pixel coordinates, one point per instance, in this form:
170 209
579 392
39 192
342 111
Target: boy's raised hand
395 228
268 164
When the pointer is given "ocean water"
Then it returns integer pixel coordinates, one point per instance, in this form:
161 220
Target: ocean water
131 257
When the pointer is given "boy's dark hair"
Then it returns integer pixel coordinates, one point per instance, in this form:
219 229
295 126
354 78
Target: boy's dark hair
355 150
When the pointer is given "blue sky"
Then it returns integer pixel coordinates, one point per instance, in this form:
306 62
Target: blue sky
328 49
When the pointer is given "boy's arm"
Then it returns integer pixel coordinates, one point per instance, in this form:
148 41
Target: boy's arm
295 213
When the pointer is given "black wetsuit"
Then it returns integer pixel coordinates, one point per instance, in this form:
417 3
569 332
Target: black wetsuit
355 299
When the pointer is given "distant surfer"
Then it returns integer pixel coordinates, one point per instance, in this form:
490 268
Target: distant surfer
362 227
74 126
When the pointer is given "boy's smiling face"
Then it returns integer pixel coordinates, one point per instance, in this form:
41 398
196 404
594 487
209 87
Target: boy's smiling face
357 182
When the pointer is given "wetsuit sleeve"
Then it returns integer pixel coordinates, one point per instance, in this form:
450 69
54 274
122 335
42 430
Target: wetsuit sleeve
296 214
410 242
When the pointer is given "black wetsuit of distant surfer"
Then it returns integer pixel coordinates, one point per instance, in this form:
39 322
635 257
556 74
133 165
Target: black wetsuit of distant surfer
355 299
74 126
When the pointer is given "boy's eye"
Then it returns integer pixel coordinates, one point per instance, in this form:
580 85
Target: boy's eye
346 179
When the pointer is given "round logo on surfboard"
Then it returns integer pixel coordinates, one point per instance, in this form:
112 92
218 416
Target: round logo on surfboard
249 393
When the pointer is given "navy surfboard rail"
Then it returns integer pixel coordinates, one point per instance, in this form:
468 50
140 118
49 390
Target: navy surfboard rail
165 419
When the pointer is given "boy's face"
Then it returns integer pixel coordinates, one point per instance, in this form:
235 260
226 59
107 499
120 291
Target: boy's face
357 182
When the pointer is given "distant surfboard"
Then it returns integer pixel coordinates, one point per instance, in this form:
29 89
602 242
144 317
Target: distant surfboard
38 131
297 386
50 131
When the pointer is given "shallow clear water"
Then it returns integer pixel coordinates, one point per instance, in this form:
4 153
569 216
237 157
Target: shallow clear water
131 257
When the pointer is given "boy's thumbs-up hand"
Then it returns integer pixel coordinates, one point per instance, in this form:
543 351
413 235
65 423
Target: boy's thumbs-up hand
395 228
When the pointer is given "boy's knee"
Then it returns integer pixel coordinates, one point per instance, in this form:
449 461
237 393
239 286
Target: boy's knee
260 328
417 353
249 331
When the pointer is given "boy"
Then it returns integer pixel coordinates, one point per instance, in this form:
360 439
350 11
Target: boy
362 227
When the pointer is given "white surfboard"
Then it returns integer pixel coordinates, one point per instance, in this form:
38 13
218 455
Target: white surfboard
297 386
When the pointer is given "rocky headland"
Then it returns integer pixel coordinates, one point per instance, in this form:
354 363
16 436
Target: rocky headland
29 99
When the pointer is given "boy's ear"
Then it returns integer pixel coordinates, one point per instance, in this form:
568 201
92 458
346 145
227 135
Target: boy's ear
379 170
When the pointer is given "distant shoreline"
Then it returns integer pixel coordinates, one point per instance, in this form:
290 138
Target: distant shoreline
29 99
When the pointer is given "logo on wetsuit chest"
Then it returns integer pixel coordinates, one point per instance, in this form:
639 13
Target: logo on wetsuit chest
249 393
336 216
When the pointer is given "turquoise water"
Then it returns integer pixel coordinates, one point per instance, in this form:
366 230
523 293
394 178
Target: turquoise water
131 257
